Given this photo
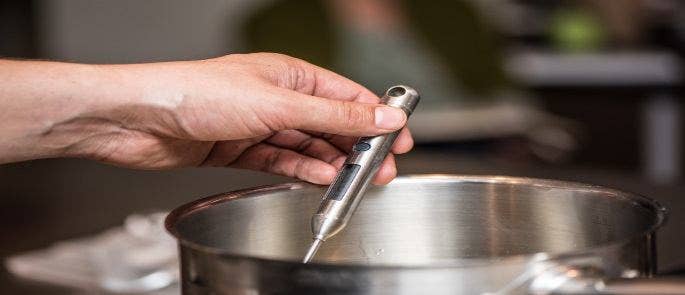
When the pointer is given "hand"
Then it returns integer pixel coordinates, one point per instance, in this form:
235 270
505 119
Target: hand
266 112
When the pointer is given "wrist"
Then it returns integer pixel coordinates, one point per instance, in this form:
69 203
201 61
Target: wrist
113 103
118 102
48 108
75 125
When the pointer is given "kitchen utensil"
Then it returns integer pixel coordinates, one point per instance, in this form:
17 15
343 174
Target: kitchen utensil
347 190
429 234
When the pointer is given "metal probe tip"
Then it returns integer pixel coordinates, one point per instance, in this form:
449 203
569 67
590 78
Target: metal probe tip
312 250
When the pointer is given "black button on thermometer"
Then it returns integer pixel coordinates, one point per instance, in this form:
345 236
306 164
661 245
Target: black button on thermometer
343 196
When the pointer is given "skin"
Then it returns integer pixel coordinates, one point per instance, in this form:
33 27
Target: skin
264 111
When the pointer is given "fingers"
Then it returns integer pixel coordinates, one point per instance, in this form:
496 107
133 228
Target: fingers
321 149
304 96
271 159
344 143
404 142
318 161
224 153
308 145
298 111
386 172
316 81
333 86
345 118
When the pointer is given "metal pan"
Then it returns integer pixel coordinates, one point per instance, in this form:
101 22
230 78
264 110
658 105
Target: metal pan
430 234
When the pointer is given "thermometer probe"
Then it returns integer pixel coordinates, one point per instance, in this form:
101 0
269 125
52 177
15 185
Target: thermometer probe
344 194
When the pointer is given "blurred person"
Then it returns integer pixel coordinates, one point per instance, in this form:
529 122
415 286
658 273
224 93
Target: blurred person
266 112
445 48
442 47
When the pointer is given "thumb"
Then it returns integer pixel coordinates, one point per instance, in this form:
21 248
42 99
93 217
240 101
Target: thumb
341 117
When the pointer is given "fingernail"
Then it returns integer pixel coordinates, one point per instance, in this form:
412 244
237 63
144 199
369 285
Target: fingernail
389 118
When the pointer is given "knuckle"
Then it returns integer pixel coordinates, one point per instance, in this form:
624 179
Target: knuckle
306 144
271 161
355 117
301 170
298 78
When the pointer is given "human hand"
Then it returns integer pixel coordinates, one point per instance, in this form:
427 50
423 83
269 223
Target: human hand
264 111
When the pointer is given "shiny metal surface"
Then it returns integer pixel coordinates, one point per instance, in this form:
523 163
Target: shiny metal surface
432 234
313 248
342 198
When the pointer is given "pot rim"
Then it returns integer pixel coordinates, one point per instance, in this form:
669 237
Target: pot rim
660 212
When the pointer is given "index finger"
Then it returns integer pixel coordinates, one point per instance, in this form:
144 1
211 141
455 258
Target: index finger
317 81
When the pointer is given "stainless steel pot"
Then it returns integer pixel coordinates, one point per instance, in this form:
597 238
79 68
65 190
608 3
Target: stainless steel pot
432 234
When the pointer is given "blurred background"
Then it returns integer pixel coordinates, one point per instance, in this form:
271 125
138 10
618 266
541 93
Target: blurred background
577 90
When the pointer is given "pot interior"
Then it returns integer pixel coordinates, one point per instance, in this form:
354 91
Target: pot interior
423 220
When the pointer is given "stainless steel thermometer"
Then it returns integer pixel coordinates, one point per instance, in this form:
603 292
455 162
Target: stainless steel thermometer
344 194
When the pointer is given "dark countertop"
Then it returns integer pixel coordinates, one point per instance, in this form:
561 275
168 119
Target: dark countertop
50 200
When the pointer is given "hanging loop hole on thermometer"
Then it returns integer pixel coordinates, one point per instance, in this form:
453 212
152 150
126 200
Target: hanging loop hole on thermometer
397 91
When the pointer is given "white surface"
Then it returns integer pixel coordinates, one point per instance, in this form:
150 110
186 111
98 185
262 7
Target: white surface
138 258
476 122
594 69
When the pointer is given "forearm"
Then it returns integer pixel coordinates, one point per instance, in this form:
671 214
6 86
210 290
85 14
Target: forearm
50 109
